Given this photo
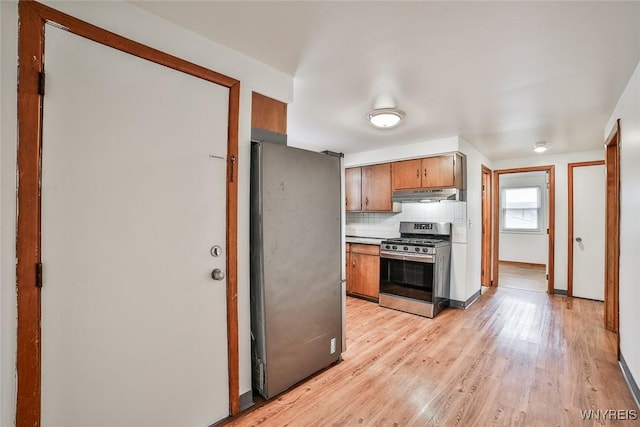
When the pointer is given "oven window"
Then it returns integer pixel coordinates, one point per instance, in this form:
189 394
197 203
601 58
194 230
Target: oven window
409 279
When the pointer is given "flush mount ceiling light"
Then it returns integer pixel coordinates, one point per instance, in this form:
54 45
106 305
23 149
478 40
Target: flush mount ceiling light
540 146
386 118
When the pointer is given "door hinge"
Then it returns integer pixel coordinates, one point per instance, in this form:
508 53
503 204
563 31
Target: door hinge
232 159
41 83
39 275
547 277
547 231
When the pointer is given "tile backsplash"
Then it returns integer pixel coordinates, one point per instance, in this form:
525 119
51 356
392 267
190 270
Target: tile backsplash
386 225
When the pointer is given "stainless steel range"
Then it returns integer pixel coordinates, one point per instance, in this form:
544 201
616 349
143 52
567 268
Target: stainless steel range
415 269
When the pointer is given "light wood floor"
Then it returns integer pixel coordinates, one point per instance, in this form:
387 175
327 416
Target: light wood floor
513 358
523 276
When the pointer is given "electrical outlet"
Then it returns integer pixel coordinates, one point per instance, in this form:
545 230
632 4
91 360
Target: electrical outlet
333 345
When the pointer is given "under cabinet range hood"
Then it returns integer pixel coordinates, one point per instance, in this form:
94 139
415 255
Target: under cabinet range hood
427 196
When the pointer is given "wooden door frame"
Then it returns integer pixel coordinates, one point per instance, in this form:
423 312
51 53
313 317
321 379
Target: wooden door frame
570 168
485 246
32 19
612 234
551 215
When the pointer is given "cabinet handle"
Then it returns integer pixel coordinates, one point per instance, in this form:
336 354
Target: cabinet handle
366 201
425 173
353 263
418 173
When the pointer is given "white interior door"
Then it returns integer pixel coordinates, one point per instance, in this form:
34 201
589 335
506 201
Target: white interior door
133 199
588 231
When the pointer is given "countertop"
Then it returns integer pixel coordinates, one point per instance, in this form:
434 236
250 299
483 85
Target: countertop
364 240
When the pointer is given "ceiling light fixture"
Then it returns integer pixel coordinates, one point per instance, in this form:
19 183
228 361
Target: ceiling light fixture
540 146
386 118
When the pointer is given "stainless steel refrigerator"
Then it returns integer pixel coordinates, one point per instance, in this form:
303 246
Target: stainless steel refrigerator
297 294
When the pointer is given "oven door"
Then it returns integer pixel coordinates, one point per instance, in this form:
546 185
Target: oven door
407 275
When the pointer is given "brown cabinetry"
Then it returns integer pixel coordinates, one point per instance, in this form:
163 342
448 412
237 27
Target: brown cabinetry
443 171
353 188
368 188
268 113
376 188
407 174
363 270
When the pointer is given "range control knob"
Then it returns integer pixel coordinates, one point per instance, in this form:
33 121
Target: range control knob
425 249
394 247
387 247
417 249
405 248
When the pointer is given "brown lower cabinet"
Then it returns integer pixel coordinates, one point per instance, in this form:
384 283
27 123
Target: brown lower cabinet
363 270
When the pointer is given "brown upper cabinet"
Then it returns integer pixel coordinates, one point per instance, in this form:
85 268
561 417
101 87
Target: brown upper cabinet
443 171
268 113
376 187
353 188
368 188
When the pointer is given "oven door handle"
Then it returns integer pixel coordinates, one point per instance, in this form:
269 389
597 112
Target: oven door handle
407 257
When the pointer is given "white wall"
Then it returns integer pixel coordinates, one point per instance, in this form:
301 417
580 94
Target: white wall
628 111
129 21
560 162
525 247
475 161
402 152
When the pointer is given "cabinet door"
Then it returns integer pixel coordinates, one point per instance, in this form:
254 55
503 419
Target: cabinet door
438 171
348 274
365 274
353 189
376 187
407 174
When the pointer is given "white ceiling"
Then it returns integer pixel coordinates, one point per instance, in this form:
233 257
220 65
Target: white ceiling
500 74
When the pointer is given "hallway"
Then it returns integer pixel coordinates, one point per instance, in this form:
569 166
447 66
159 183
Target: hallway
530 277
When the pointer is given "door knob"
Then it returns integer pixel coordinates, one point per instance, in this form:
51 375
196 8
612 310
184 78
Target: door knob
217 274
578 239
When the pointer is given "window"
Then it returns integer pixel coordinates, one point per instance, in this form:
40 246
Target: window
521 209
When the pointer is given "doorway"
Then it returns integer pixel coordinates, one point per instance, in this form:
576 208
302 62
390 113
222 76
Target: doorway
612 242
485 274
526 209
42 237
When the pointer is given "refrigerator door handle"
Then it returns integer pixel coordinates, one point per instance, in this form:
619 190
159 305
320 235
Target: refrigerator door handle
343 297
